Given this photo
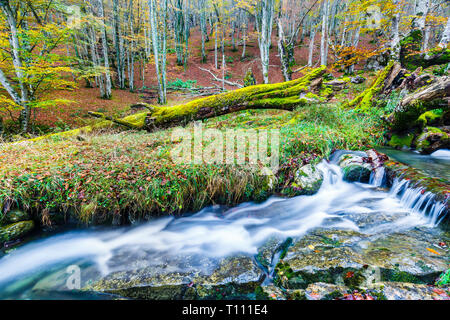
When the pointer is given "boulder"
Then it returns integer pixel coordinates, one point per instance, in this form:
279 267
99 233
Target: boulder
188 277
15 230
308 179
16 216
357 80
355 168
357 260
432 139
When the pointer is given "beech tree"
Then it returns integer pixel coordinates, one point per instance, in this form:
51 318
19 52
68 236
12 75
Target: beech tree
30 65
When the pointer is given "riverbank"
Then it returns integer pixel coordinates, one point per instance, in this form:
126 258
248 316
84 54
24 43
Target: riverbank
123 177
349 240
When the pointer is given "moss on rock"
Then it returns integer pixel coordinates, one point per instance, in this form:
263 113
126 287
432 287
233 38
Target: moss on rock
401 140
15 230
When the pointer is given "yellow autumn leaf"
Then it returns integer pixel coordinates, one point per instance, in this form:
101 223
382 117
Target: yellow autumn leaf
433 251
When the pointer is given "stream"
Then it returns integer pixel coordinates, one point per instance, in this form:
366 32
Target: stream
199 242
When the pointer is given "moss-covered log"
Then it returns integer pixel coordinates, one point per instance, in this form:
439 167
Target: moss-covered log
364 101
285 96
413 105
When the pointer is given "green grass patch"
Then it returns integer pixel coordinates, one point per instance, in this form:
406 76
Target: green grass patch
128 176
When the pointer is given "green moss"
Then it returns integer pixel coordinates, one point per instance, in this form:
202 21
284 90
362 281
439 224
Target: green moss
298 295
333 295
260 294
429 117
396 275
363 102
403 121
15 230
400 141
354 280
444 279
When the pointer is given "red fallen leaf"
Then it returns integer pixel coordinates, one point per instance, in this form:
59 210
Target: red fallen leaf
439 291
442 244
349 274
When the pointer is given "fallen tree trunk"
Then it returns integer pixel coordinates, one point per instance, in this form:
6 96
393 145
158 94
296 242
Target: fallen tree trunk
437 90
433 96
284 96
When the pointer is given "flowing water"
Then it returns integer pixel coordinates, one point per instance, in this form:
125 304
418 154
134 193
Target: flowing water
217 231
436 164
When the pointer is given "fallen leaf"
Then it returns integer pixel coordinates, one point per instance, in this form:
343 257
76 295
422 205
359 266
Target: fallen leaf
433 251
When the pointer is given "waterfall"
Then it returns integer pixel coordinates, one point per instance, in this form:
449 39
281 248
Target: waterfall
377 177
419 201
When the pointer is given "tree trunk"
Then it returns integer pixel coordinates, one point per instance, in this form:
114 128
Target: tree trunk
323 39
395 37
263 24
159 46
445 39
311 45
285 96
283 53
18 65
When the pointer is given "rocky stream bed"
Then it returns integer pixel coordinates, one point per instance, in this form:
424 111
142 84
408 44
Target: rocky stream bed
362 232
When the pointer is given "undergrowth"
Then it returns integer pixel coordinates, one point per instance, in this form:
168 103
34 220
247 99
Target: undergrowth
127 176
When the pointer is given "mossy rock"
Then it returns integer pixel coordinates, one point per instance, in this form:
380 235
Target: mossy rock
308 179
432 139
399 141
355 168
15 230
235 277
403 121
430 117
16 216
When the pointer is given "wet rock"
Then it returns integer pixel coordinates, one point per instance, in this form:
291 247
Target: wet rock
357 260
62 282
357 79
355 168
16 216
432 139
369 219
15 230
267 251
411 291
234 277
322 256
325 291
408 256
272 292
308 178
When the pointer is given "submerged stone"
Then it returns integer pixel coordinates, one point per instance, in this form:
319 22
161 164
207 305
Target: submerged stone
357 260
233 277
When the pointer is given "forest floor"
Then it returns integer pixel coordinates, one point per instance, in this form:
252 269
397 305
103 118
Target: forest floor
83 99
124 175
